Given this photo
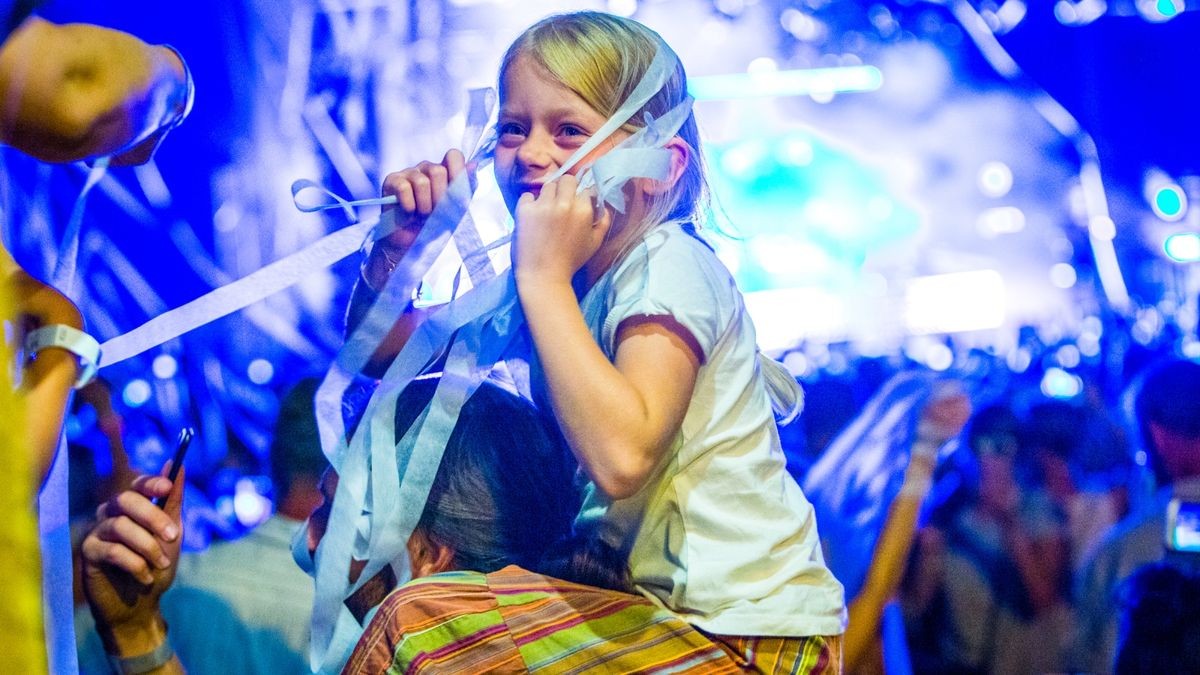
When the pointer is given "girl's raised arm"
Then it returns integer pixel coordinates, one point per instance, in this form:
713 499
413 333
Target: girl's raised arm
418 190
619 417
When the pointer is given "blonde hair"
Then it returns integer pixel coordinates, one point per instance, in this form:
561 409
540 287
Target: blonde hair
602 57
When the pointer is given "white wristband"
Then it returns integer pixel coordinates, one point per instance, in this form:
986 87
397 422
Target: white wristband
75 341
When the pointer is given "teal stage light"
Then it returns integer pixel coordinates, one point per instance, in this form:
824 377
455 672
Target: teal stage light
1169 203
1157 11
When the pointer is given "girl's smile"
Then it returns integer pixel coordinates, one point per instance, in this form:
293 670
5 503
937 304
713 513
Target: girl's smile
541 124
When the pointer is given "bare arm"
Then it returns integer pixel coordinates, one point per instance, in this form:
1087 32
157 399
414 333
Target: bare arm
619 417
418 190
74 91
48 380
941 420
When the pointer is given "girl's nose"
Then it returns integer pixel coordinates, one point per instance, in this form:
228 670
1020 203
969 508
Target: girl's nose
535 153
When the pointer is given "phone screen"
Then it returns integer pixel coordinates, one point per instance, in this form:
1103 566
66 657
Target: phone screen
1184 524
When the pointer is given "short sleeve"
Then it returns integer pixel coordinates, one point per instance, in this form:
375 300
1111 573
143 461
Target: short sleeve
674 274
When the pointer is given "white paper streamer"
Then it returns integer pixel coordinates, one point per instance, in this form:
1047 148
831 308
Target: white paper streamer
68 253
237 295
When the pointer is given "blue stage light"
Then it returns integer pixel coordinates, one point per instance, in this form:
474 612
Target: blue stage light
260 371
164 366
136 393
1157 11
1058 383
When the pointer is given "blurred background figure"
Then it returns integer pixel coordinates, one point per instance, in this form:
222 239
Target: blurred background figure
998 569
1081 458
243 606
1166 416
868 488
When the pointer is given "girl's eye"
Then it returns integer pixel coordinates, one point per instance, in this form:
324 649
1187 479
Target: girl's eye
572 130
509 129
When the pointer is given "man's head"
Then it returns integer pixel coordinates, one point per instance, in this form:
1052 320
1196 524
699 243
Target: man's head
503 493
296 458
1167 410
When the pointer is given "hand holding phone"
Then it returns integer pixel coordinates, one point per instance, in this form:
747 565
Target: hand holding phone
185 439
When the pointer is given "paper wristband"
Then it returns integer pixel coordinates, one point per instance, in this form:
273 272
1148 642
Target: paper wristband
143 663
77 342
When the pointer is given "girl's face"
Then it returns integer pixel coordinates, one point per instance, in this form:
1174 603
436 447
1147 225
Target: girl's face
541 124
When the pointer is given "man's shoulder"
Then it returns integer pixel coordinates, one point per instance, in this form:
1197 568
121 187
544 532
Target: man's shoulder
1136 540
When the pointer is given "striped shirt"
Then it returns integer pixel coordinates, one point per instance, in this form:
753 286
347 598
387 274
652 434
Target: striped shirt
515 621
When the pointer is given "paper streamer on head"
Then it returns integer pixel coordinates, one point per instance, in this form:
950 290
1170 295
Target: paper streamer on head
384 481
852 485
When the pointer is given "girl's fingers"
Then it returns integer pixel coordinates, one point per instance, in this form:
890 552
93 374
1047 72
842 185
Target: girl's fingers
566 186
455 164
604 220
422 192
397 184
437 174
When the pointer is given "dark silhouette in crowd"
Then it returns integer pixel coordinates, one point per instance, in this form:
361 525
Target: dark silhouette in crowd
1160 622
1079 455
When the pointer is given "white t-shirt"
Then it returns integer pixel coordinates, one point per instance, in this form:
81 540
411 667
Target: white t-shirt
721 534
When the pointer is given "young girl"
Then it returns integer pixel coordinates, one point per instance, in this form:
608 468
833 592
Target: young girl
646 350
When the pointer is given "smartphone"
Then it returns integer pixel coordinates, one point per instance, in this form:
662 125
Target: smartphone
185 439
1183 526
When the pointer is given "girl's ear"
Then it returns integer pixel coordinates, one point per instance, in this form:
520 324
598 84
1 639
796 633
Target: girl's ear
681 154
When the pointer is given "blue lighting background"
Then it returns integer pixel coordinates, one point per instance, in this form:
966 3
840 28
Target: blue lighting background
850 195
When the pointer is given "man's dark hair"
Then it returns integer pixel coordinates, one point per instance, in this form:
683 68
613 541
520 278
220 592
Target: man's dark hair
504 492
296 447
1169 396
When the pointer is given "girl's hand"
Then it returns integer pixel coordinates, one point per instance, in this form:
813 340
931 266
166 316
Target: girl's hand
418 190
558 232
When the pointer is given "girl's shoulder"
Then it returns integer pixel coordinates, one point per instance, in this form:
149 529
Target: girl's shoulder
673 273
678 249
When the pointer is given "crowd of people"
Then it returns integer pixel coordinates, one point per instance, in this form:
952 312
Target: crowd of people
630 506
